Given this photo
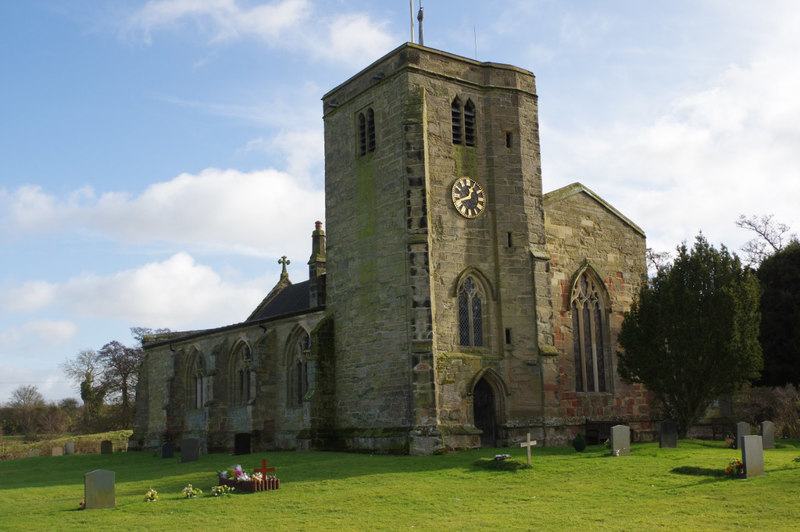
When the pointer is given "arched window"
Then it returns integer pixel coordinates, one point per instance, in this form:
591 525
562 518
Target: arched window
469 123
589 332
196 383
298 375
362 134
457 118
370 130
470 314
242 375
366 132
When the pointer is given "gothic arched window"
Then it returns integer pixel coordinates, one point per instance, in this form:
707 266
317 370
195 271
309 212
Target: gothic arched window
196 383
242 376
588 333
470 314
366 132
298 374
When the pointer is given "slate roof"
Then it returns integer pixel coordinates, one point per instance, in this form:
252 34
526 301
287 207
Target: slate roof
291 299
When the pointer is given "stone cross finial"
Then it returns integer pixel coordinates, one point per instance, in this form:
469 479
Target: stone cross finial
283 261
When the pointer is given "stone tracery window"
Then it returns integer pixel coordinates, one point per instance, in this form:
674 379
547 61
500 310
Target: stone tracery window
589 325
298 381
196 383
470 314
242 376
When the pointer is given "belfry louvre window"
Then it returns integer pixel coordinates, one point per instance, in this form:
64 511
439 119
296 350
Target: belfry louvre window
588 333
366 132
470 314
469 123
463 119
457 117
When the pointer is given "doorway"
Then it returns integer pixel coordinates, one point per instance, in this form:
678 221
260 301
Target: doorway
483 406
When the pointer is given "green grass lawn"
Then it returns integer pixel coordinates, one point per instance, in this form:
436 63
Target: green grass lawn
652 489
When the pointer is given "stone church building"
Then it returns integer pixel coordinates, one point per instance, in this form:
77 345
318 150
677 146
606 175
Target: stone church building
449 304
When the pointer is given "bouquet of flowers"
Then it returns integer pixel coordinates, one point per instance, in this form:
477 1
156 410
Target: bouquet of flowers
191 493
151 495
221 491
735 468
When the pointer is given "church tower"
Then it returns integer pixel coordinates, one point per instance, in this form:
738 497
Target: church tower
437 274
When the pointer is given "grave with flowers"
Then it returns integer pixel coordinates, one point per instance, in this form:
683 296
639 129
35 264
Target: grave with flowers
258 480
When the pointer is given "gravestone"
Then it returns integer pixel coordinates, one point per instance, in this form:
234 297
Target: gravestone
768 434
752 456
69 448
33 453
57 451
667 434
98 490
106 447
529 443
241 443
620 440
190 450
742 429
167 450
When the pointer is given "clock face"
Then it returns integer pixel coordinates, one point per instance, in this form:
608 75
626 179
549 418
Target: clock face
469 199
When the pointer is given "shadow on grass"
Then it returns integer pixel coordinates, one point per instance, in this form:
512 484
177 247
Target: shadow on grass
698 471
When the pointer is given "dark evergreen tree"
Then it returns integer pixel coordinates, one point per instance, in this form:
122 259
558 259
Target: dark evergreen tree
691 336
779 275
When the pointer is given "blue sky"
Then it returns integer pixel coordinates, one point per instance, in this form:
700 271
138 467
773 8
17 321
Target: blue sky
141 141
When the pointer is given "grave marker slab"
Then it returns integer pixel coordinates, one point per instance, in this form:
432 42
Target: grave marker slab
167 450
620 440
528 444
752 456
57 451
106 447
768 434
742 429
667 434
241 443
69 448
99 489
190 450
33 453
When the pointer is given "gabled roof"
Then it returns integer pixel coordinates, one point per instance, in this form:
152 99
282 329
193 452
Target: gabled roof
578 188
288 299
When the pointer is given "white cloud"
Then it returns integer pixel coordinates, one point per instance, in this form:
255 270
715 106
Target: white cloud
726 149
296 146
346 38
50 383
260 213
176 293
39 333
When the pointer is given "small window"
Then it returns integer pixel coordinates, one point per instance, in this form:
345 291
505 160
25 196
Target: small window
469 123
242 376
508 140
455 110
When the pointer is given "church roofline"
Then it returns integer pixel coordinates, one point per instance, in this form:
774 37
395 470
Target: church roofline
388 70
179 337
576 188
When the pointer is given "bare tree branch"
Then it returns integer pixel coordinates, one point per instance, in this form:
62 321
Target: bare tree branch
771 236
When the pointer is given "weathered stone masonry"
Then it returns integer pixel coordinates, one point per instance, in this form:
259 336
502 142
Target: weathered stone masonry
382 349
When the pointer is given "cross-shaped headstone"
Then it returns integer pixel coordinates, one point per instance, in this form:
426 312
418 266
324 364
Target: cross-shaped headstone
528 444
264 469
